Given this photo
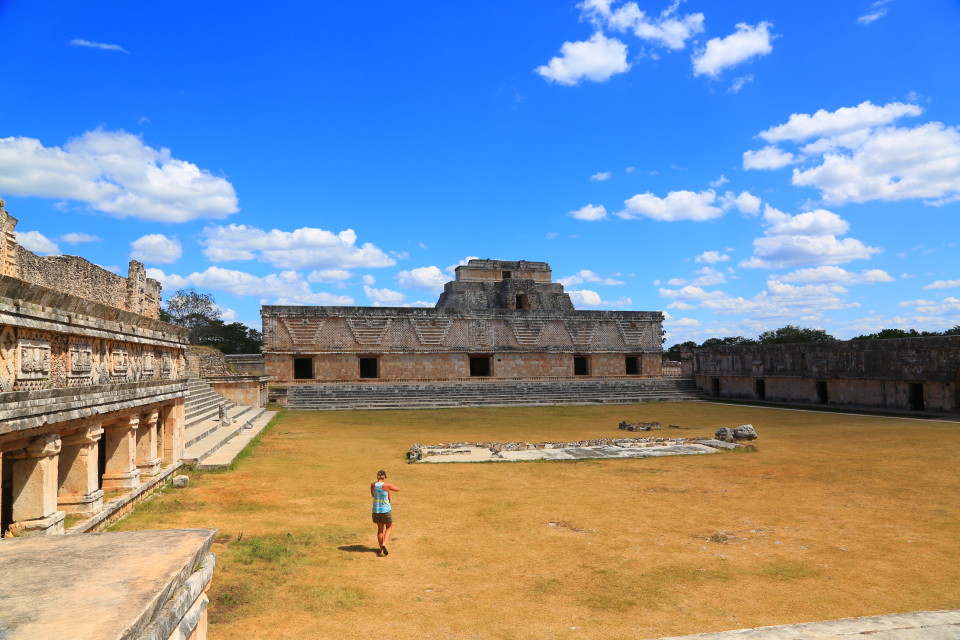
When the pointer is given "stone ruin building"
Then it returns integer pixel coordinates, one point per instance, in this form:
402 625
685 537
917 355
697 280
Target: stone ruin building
913 374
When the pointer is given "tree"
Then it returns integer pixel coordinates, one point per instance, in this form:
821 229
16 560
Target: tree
673 353
791 333
199 312
727 341
190 308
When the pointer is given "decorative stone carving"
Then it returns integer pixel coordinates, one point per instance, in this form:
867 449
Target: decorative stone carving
149 367
528 331
431 332
369 331
119 361
303 330
8 354
81 361
34 359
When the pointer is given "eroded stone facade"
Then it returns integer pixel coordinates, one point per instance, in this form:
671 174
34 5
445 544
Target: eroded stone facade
920 374
497 320
92 386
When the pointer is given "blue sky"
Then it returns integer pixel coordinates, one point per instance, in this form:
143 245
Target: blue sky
739 166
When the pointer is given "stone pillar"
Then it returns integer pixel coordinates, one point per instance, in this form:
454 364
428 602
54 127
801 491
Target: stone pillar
147 460
173 433
120 440
35 488
79 493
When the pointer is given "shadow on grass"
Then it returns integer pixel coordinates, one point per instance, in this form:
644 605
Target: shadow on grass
357 548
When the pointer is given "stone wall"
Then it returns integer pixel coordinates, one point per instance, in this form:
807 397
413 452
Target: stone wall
900 373
246 363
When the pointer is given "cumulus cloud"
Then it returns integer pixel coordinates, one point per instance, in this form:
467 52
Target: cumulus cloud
596 59
677 205
423 278
743 44
37 242
369 279
302 248
78 238
722 180
586 275
116 173
943 284
156 248
946 306
587 299
80 42
739 83
708 277
837 275
711 257
668 29
286 287
802 126
601 176
745 202
769 157
383 297
328 275
589 212
777 300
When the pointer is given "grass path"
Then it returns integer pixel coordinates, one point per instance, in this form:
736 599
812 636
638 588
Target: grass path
834 516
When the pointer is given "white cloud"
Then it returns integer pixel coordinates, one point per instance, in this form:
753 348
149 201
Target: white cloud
743 44
769 157
596 59
156 248
810 223
328 275
169 281
37 242
778 300
943 284
677 205
227 314
589 212
837 275
585 298
369 279
77 238
711 257
877 11
80 42
891 164
722 180
601 176
668 29
746 203
452 269
586 275
802 126
423 278
298 249
383 297
949 305
709 277
116 173
690 293
286 287
739 83
685 322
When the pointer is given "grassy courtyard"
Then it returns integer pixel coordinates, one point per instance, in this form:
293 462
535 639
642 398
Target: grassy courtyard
834 516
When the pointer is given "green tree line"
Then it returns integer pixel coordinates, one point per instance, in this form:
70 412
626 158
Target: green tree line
199 312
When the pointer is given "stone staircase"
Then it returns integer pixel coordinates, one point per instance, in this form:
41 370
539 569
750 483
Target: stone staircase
335 396
209 443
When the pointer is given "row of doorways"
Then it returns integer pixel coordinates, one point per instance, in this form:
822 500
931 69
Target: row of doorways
480 366
915 399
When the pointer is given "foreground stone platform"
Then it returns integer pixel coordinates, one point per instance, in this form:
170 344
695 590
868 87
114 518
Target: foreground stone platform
136 585
918 625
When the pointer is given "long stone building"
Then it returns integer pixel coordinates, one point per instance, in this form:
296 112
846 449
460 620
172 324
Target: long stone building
498 320
92 386
914 374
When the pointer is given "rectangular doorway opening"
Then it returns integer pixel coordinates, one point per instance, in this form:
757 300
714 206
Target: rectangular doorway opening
522 302
823 397
479 366
916 396
633 365
101 459
303 368
369 368
715 386
6 497
760 387
507 275
581 366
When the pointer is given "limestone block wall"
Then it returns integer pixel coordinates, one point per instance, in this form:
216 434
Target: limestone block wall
436 344
903 373
249 390
246 363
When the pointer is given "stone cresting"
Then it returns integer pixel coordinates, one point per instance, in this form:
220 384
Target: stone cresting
92 386
498 320
901 374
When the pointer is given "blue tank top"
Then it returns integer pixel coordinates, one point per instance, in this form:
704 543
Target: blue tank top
381 499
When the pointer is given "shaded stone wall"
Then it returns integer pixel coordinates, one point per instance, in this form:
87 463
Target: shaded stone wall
900 373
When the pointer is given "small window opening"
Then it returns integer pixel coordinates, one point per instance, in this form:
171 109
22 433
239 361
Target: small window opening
303 368
479 366
715 386
633 365
507 275
760 387
916 396
368 368
522 301
581 366
823 397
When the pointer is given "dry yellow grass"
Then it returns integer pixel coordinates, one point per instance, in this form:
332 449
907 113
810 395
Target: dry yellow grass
834 516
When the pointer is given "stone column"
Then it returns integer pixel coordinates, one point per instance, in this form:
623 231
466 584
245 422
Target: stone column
79 493
173 433
147 460
35 488
120 440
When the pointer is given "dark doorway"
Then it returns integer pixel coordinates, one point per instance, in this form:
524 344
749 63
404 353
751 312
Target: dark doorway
715 386
101 459
822 396
479 366
581 366
522 302
303 368
633 365
916 396
368 368
6 513
760 387
507 275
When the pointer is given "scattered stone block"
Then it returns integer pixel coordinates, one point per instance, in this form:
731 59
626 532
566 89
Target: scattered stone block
743 432
640 426
719 444
180 481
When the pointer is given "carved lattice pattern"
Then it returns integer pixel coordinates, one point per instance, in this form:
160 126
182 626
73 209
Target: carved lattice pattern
303 330
431 332
369 330
528 332
581 332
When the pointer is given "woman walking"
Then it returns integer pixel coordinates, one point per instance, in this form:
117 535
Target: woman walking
382 510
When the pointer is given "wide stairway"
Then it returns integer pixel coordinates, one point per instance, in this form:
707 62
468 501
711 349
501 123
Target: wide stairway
212 443
386 395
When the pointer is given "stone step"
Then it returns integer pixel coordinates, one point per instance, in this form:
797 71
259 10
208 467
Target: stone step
224 456
200 430
219 437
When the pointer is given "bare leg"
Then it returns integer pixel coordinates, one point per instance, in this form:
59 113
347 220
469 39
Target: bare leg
380 535
386 534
